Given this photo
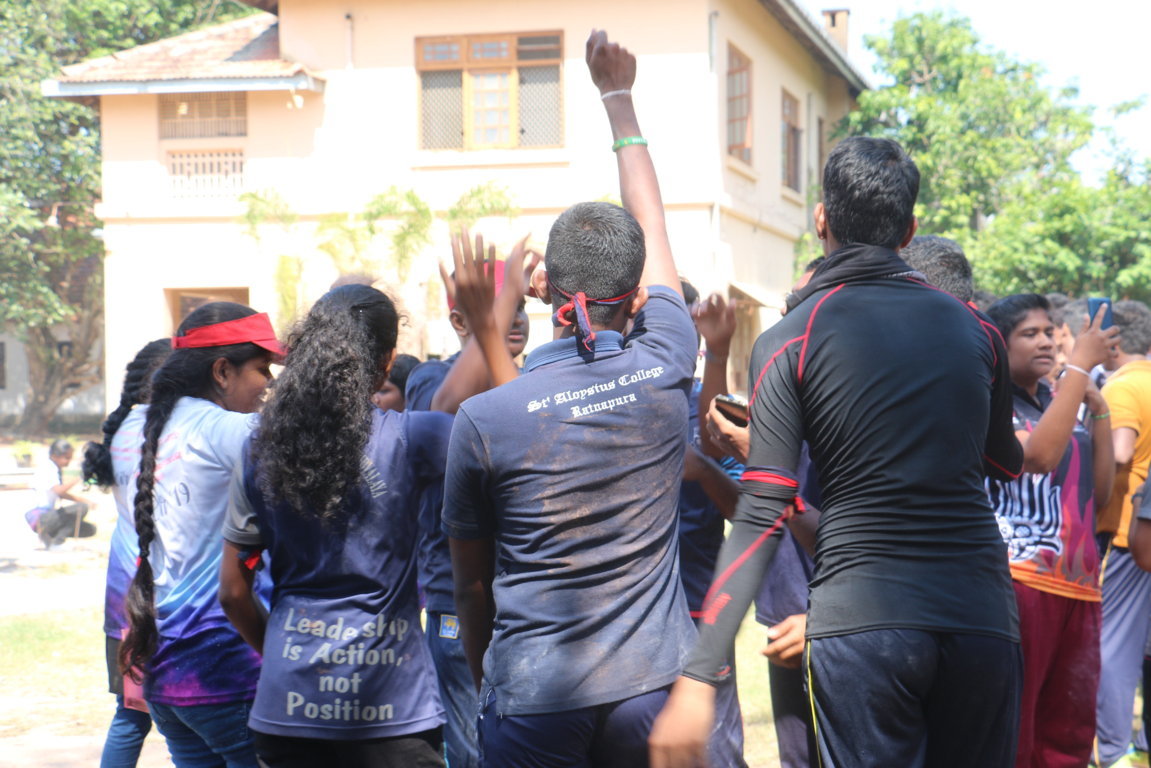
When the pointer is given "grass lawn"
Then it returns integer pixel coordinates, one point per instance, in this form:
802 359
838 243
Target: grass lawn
53 670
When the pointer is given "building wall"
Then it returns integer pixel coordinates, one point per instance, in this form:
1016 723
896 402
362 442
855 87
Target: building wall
333 151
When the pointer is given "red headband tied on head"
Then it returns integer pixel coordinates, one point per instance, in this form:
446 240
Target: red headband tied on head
253 329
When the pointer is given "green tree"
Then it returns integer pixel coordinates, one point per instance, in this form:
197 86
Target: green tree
1071 237
978 123
51 255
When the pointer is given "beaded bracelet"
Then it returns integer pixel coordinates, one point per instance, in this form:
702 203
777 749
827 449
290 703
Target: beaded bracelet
627 141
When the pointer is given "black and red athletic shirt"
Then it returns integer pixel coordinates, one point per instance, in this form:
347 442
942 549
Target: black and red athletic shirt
903 394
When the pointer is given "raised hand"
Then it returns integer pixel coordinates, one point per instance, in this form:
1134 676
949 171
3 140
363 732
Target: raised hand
612 66
715 320
1094 346
475 280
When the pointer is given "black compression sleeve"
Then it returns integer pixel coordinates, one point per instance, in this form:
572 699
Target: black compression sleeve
755 534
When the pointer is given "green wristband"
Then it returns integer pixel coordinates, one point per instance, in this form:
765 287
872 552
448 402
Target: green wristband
627 141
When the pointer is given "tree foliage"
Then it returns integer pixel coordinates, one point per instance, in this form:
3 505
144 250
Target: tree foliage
50 252
994 148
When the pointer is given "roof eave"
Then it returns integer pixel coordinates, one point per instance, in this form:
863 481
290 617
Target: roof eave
63 89
271 6
812 37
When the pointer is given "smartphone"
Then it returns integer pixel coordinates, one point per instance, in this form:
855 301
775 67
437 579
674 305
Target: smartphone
733 408
1093 309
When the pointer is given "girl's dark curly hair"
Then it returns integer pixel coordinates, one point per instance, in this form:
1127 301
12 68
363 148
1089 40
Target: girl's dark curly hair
186 373
313 431
97 466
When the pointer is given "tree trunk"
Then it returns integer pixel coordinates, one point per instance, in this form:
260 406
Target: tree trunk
59 367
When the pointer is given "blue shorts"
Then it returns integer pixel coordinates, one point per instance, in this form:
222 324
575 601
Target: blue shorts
910 698
604 736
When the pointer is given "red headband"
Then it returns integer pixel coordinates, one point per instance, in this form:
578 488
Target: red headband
253 329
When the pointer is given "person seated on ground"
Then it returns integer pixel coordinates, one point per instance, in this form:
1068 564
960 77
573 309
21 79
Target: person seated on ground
1047 518
390 396
53 521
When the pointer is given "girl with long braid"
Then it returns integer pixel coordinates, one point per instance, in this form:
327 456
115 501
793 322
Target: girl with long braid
131 723
330 490
174 457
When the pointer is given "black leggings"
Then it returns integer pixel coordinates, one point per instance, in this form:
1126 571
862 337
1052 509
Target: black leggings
413 750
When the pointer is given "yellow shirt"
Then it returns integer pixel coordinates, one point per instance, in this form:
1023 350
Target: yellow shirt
1128 396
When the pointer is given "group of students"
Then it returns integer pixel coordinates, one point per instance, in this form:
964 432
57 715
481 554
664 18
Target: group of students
564 523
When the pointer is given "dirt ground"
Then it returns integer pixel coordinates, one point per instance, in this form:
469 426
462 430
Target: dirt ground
69 583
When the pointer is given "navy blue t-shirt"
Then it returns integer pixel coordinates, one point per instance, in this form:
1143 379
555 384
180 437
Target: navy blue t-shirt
344 657
435 562
574 469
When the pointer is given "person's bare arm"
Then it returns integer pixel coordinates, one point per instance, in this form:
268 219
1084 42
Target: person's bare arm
247 614
1123 442
715 320
1102 447
473 568
612 69
719 487
1043 447
1139 535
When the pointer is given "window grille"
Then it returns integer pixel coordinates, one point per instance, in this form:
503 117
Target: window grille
442 109
738 105
206 174
541 107
490 91
203 115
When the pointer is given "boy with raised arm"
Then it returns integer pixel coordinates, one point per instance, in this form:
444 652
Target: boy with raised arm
560 497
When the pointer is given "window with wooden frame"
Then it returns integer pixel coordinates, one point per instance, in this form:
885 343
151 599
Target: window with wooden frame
183 301
203 115
738 104
490 91
792 136
821 142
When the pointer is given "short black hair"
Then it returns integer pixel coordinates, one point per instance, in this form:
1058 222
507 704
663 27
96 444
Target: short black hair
597 248
401 367
1009 311
690 292
942 262
869 191
1134 321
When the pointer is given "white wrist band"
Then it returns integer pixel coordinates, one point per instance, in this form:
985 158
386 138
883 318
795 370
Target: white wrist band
621 92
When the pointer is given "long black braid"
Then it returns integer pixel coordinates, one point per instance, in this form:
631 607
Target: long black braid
186 373
97 465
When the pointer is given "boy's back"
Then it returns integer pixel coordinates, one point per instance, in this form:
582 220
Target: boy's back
580 461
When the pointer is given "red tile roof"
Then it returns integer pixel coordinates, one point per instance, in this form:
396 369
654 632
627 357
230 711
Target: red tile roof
244 48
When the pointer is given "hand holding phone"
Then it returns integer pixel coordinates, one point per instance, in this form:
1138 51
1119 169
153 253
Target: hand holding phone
733 408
